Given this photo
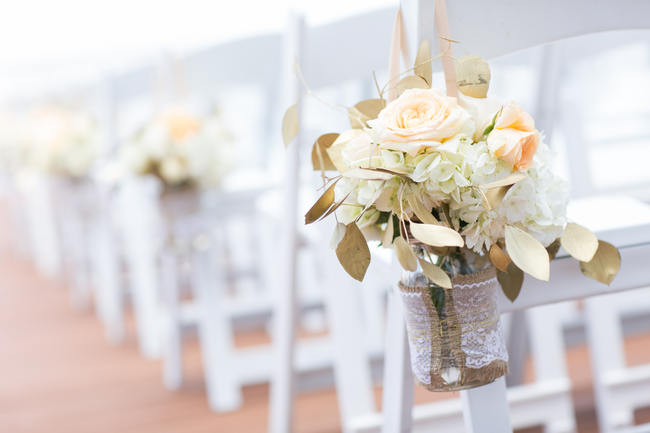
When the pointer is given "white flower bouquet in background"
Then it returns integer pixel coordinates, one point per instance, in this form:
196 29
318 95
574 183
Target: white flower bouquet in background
60 141
181 149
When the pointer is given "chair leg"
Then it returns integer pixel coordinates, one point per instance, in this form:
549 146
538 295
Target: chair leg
108 283
172 332
485 409
351 365
605 338
398 380
215 335
517 348
145 301
547 348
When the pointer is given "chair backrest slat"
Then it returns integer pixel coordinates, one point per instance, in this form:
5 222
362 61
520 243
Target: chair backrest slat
347 49
491 29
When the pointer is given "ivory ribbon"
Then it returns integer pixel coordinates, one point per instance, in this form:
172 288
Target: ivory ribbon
398 44
442 27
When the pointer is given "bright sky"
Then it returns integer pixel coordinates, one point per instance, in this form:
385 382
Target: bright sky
45 43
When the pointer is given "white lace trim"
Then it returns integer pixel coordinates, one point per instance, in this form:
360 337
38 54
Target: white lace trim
474 285
419 332
482 337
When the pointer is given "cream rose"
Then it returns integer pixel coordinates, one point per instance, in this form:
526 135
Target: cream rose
418 119
514 138
481 110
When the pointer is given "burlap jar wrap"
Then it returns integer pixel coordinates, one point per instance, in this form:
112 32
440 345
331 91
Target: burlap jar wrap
455 336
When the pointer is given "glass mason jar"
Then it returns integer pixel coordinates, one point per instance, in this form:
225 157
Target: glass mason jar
455 336
177 204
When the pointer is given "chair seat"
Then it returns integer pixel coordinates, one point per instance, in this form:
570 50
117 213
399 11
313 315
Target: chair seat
620 220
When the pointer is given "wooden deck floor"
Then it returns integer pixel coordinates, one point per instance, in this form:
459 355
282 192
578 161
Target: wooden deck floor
58 374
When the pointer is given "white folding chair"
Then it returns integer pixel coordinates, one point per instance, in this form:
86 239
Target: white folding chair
106 265
352 366
214 73
36 197
485 407
619 389
308 47
73 209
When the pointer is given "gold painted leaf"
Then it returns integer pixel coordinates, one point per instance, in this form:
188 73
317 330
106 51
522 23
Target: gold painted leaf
492 193
365 110
499 258
439 251
387 239
511 281
527 253
435 274
319 152
605 264
322 205
473 76
336 206
421 211
436 235
366 174
405 254
353 253
506 181
553 248
290 124
579 241
411 82
402 174
422 66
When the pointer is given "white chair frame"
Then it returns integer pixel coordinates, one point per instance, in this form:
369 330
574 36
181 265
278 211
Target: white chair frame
354 385
485 407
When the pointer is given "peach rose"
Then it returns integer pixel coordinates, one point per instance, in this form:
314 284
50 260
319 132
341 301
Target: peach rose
418 119
514 138
180 124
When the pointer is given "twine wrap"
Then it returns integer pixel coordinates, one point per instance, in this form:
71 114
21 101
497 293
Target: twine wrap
455 336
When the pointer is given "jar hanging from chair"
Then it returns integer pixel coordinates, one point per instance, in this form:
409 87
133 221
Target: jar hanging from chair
455 336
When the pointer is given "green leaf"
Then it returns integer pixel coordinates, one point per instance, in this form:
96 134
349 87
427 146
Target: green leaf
491 125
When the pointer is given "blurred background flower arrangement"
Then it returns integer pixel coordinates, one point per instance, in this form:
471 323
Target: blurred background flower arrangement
180 148
53 140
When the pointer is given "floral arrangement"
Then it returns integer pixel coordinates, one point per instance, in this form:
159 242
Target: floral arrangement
59 141
180 148
452 184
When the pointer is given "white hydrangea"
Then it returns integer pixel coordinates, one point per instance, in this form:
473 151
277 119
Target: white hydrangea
536 204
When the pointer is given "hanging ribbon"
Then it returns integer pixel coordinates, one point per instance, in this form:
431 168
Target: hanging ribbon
398 45
444 42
